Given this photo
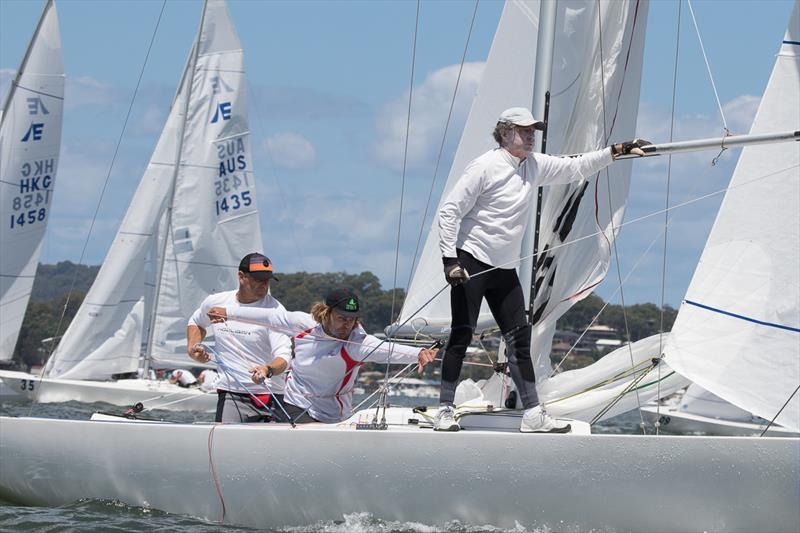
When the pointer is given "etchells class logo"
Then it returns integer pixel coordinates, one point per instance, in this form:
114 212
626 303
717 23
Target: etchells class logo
351 305
223 110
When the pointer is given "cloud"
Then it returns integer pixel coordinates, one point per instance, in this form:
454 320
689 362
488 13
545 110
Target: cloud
430 105
740 112
291 151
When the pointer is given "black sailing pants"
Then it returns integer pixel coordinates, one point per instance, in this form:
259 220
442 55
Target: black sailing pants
503 293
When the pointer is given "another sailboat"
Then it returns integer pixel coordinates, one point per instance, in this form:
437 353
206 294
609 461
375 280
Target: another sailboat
191 219
488 473
30 141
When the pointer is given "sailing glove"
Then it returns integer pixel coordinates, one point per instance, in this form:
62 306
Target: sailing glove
630 147
454 272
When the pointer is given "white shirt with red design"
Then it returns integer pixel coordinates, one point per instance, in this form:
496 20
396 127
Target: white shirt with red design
243 346
325 369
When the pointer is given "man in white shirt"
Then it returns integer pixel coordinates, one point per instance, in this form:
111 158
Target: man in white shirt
183 378
208 380
241 346
330 347
481 224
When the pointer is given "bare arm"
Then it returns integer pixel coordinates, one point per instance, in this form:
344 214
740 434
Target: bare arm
262 372
194 336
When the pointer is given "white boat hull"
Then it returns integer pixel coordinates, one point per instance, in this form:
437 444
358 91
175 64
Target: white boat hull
126 392
675 421
274 476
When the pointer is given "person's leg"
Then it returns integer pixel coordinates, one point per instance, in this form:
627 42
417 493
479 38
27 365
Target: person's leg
505 299
465 304
233 408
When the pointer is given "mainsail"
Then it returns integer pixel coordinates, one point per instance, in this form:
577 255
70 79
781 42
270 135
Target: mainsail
594 98
30 139
191 219
737 333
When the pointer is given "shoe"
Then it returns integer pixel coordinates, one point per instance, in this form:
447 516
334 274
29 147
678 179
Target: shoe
536 420
446 419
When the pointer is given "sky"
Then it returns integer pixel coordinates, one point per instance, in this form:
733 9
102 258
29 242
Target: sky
328 91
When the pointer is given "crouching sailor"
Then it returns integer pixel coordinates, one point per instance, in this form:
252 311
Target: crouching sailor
481 224
330 346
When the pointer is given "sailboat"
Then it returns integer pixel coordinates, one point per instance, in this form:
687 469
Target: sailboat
191 219
488 473
696 410
30 141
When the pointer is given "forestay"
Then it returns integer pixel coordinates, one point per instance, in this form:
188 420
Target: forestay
203 160
737 333
579 106
30 139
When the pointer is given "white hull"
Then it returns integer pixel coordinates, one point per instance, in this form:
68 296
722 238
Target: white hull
273 476
676 421
126 392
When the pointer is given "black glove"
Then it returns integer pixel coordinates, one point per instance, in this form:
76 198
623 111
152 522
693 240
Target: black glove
454 273
630 147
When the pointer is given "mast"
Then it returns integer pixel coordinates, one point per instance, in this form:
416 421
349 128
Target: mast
188 77
541 88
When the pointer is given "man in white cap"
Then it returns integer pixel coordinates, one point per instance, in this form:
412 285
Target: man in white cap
481 224
243 346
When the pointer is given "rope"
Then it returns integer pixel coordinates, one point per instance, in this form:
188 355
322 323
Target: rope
779 412
214 472
705 58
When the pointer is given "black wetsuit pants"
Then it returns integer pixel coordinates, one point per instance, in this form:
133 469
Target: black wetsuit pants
503 293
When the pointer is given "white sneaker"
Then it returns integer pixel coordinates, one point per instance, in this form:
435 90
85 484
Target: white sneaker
446 419
536 420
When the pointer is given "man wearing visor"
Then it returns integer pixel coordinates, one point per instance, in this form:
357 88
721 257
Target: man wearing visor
481 225
242 346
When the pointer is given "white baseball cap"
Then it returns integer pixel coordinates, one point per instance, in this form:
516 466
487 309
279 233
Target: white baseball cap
520 116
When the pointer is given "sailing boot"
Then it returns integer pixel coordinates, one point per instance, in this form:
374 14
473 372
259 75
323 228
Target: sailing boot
446 419
536 420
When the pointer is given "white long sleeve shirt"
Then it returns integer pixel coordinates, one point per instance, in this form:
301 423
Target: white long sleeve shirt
487 210
242 346
324 369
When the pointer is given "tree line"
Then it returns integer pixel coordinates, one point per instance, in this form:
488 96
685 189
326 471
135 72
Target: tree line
59 290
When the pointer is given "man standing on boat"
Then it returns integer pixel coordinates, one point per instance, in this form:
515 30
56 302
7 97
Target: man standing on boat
481 224
241 346
330 347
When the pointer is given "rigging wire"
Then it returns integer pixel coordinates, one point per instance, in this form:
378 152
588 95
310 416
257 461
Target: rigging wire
666 207
403 178
611 214
705 57
441 146
103 189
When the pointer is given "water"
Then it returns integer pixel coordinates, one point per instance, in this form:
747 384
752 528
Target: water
114 516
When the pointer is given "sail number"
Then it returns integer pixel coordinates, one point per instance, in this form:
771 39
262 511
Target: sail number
234 202
29 204
26 384
28 217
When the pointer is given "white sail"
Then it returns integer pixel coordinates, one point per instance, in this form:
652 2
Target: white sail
203 154
737 333
698 401
30 139
578 106
214 219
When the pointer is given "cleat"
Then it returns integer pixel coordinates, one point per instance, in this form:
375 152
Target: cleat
446 419
536 420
